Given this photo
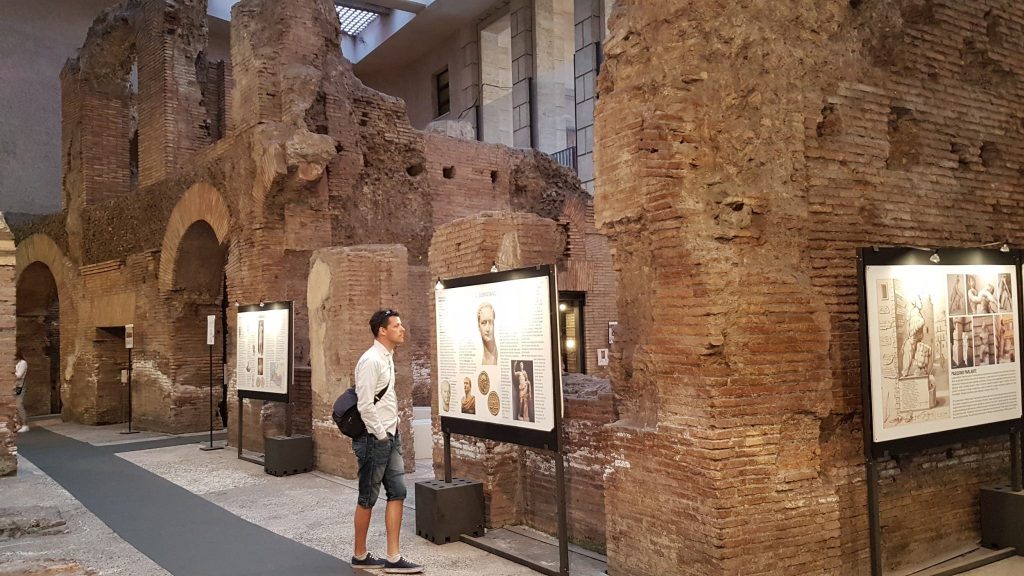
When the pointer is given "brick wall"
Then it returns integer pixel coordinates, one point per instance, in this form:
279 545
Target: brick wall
172 117
782 138
455 166
346 286
310 159
8 449
518 482
586 461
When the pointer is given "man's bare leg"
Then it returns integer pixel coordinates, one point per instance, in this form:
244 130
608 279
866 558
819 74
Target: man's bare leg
362 524
393 523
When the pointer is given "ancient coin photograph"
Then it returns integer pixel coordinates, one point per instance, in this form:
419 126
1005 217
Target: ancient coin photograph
483 382
493 403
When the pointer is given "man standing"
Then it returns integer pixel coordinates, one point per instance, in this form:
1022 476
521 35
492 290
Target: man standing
20 371
379 451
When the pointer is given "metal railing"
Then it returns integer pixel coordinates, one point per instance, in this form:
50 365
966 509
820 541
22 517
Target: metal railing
566 157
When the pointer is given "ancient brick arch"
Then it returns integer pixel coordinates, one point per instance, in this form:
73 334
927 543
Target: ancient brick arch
200 203
43 310
41 248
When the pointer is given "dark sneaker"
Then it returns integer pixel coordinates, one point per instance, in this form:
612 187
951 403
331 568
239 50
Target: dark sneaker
371 562
403 566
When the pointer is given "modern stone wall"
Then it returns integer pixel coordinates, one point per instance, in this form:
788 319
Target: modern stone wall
742 155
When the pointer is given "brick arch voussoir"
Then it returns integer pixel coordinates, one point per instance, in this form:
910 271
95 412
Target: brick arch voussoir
200 203
41 248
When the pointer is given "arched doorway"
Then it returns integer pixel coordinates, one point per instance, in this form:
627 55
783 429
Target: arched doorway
38 337
198 292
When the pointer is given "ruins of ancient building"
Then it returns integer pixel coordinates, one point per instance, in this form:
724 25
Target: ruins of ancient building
192 185
742 154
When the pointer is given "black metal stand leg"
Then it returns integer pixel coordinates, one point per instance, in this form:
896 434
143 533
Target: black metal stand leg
210 446
874 518
129 430
447 457
1015 460
563 520
241 411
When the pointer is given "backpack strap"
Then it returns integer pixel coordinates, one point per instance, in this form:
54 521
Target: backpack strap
381 393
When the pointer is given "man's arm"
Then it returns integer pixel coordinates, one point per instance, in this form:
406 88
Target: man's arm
367 371
20 368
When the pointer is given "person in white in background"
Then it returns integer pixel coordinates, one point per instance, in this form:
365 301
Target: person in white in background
20 371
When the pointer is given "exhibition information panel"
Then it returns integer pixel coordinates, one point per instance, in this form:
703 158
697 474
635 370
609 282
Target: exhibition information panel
263 351
494 353
944 345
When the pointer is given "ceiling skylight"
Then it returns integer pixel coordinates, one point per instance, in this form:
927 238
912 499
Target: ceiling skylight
354 20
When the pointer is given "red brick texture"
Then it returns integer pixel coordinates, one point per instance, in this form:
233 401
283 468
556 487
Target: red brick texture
346 286
245 169
8 449
519 482
780 139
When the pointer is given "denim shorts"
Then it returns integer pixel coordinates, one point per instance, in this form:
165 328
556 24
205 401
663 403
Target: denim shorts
380 462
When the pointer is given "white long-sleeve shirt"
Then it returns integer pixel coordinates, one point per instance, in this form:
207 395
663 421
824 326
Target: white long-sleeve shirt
374 371
20 370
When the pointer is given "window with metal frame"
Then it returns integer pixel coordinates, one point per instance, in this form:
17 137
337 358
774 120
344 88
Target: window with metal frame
442 92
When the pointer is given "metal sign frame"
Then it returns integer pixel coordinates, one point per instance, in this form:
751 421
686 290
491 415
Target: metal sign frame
874 451
542 439
550 441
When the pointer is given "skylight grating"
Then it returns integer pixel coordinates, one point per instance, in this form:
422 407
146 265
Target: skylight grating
354 20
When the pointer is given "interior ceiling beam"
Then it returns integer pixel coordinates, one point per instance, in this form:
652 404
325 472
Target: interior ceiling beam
383 6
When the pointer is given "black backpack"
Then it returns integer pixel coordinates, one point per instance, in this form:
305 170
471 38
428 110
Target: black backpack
346 412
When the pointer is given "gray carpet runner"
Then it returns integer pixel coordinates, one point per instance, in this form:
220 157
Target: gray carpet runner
183 533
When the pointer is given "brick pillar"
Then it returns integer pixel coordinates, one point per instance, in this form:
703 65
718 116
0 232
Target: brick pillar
95 134
279 51
523 72
463 248
8 450
173 122
723 391
346 286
